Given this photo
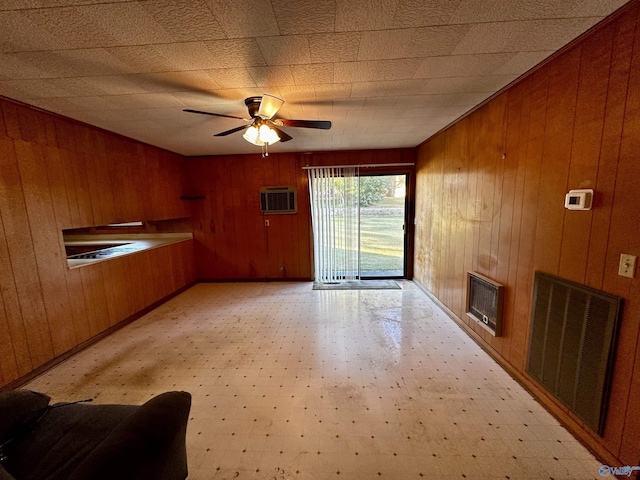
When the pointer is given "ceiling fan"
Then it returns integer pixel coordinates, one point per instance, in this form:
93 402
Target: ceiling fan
263 129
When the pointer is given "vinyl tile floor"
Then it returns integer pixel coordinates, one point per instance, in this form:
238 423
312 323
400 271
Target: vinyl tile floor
294 383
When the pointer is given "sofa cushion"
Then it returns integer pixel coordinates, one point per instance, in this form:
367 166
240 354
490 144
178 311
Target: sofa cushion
150 444
79 442
17 406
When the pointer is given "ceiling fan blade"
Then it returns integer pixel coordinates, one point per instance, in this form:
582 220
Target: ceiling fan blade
213 114
269 105
322 124
229 132
284 137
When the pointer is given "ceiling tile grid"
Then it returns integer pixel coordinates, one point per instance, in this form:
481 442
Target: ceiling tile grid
387 73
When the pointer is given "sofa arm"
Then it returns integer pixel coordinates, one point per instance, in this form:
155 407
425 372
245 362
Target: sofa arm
150 444
4 475
17 406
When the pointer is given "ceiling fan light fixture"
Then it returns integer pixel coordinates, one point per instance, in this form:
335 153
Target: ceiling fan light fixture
261 135
269 105
252 135
268 135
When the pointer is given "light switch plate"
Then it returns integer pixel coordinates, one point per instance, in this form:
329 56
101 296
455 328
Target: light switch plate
627 267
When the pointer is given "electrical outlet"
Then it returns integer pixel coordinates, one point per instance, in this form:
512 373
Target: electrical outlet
266 223
627 267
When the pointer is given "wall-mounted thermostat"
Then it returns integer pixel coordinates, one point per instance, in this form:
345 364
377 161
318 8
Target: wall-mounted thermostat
579 199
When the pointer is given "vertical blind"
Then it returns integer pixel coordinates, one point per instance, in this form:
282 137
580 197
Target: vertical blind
335 216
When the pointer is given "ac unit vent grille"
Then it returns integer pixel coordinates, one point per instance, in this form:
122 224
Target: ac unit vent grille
484 302
278 200
571 345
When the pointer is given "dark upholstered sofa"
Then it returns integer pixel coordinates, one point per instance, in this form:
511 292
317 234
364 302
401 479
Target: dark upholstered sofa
83 441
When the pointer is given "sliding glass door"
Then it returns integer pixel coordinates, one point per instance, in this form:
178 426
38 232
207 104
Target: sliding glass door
358 224
382 226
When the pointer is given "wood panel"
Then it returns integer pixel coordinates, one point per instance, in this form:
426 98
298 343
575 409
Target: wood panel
57 174
22 256
232 241
47 244
573 123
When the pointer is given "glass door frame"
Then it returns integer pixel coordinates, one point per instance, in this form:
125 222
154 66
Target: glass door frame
407 266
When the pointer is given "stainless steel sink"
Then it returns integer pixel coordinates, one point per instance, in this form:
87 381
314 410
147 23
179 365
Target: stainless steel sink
101 250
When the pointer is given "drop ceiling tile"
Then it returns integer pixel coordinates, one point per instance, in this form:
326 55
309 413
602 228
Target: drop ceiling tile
272 76
295 93
488 83
596 8
375 70
120 84
131 23
62 106
231 78
245 18
20 34
371 122
438 100
304 16
170 82
52 64
394 88
240 52
522 62
141 59
184 20
237 95
528 35
411 42
434 41
480 11
28 4
79 27
462 65
312 74
359 15
385 44
335 91
334 47
94 61
68 87
380 103
420 13
347 104
399 69
15 67
94 104
348 72
203 56
285 50
142 101
19 4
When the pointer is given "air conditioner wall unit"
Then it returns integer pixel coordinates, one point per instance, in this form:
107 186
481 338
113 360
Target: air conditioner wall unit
278 200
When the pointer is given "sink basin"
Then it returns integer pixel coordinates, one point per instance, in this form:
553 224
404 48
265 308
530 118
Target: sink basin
94 250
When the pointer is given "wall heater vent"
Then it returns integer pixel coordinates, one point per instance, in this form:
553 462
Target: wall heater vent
571 345
484 302
278 200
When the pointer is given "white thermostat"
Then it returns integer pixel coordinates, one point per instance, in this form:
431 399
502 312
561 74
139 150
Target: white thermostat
579 199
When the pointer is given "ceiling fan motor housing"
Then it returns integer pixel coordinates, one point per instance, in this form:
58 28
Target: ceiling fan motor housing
253 105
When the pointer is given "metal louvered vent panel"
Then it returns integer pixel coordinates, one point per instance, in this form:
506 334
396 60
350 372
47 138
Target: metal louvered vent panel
484 302
278 200
571 345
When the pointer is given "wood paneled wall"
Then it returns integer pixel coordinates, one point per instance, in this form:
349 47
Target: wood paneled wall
490 195
232 241
57 174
